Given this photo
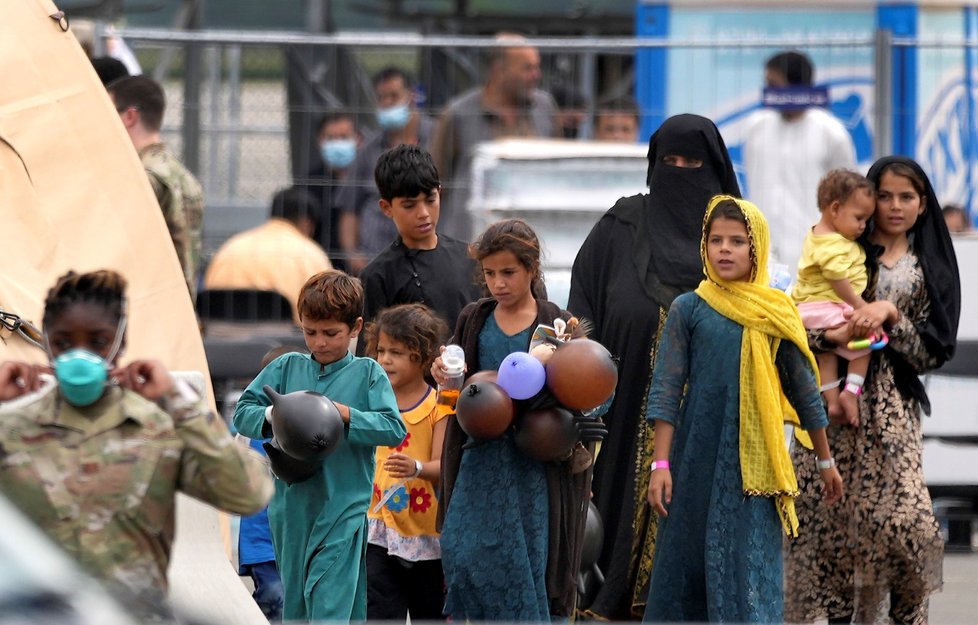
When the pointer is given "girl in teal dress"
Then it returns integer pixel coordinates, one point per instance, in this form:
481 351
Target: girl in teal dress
733 367
511 525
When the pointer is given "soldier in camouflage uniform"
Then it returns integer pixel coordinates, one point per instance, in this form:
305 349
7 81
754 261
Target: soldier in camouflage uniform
181 199
101 478
141 104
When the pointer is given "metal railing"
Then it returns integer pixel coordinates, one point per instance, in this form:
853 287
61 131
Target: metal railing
233 117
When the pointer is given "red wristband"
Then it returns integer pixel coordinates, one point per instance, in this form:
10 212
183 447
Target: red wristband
660 464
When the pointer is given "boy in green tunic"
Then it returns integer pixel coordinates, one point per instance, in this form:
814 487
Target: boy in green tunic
319 525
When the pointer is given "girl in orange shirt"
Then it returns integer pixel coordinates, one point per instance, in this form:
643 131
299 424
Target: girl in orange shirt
403 555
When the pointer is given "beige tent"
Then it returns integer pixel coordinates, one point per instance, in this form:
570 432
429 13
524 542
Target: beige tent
73 195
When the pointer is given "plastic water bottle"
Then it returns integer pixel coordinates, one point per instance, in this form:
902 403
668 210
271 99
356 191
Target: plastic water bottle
780 276
454 360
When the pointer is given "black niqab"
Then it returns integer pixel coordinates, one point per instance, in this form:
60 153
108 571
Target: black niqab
641 254
669 226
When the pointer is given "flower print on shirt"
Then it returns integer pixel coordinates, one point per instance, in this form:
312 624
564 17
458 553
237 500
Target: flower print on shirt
420 499
399 500
405 443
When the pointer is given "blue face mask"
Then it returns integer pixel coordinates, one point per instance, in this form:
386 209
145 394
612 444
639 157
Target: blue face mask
81 376
338 153
394 117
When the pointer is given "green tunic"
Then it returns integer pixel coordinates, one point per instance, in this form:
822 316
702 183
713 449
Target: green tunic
319 526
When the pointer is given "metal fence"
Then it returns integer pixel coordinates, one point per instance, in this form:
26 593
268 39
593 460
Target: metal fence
243 106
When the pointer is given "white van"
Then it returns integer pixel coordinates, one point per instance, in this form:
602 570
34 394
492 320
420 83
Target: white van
561 188
951 432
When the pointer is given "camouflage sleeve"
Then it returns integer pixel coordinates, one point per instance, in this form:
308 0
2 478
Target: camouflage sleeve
212 468
171 205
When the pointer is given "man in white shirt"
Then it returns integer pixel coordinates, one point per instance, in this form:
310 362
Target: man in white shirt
786 153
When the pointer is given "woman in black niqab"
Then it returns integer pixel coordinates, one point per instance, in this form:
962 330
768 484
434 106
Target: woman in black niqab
641 255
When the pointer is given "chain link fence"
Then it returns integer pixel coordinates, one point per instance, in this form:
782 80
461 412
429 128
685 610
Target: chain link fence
243 107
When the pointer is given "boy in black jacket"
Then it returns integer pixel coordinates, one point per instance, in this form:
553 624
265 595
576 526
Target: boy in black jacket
420 265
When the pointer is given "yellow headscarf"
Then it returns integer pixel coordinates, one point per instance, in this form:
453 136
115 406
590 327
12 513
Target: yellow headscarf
768 316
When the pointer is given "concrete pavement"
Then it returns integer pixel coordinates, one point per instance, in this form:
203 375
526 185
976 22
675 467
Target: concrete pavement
958 602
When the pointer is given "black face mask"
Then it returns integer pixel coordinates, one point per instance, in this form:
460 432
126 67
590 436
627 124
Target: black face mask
678 196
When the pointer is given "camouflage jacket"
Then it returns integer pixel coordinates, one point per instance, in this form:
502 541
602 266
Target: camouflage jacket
102 480
182 201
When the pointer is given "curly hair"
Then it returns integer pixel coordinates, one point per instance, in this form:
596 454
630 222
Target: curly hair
418 327
105 288
839 184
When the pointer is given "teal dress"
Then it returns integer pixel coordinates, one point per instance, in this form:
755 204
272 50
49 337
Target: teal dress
718 553
494 537
319 526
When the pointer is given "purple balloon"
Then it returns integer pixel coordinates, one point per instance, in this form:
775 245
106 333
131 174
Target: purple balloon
521 375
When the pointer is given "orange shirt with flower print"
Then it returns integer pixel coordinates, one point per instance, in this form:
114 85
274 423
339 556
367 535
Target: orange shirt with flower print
409 515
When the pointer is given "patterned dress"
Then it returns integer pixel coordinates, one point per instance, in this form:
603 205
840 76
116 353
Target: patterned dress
879 551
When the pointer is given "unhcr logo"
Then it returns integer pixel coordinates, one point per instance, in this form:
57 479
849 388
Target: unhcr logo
947 145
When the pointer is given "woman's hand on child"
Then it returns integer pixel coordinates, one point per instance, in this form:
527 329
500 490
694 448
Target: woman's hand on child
832 485
20 378
400 465
149 378
660 491
869 319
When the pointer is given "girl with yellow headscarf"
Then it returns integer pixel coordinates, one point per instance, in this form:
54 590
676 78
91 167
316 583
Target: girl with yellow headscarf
733 368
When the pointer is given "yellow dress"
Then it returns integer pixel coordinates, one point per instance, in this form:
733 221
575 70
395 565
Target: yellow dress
405 524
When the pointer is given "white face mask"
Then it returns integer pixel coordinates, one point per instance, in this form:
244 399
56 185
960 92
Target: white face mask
338 153
394 117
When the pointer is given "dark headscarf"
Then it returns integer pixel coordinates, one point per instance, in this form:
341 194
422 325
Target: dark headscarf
935 253
669 224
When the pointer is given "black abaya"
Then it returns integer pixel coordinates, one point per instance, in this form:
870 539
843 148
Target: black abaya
641 255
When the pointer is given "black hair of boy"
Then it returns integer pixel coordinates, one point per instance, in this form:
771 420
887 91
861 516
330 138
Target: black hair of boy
406 171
